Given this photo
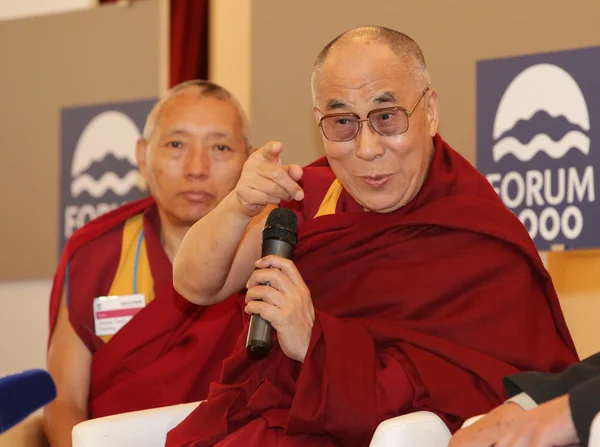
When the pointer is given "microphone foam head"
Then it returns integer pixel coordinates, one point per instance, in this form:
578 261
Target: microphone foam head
282 224
22 394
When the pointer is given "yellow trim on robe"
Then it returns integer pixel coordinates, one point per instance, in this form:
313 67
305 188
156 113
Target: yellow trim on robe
123 281
330 201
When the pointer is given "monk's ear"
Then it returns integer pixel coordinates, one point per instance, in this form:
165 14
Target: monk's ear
432 111
316 114
141 156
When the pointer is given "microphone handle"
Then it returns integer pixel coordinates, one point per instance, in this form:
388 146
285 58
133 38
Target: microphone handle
260 332
278 248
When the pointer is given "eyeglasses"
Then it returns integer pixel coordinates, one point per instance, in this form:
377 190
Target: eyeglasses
386 122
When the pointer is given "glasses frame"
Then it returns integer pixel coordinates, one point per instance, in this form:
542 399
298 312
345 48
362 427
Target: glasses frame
407 112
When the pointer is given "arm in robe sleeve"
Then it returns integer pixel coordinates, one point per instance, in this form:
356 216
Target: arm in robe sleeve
359 383
347 387
361 371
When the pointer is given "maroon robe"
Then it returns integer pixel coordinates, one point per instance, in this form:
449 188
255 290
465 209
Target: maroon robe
170 351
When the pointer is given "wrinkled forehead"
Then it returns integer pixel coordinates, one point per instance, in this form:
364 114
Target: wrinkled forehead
358 74
199 111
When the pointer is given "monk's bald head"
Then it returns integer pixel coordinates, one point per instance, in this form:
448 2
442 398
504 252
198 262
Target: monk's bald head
400 44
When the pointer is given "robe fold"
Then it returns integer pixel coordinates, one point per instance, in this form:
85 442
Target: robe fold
171 350
424 308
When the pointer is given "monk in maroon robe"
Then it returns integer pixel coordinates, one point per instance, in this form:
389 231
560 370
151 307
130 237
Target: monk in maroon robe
411 286
157 348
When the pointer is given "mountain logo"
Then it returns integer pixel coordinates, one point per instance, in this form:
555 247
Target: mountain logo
98 167
104 158
542 110
537 127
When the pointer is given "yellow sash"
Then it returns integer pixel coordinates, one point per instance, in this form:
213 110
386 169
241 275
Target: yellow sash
330 201
133 264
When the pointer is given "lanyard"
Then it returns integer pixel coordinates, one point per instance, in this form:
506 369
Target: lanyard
137 260
135 269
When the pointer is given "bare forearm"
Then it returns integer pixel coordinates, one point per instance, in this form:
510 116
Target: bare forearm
59 420
217 255
205 257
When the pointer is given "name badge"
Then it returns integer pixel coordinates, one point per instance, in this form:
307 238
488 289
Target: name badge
111 313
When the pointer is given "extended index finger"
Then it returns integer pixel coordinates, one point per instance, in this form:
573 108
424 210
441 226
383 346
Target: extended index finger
281 176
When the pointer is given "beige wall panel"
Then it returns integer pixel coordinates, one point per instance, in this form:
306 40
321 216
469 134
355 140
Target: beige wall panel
101 55
229 47
575 276
23 315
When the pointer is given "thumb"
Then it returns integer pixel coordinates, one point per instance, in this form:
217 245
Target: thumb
295 171
271 151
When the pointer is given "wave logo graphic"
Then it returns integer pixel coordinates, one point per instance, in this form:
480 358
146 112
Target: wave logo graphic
542 110
104 158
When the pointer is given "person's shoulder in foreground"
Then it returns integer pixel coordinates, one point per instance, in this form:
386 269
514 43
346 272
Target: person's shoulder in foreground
544 409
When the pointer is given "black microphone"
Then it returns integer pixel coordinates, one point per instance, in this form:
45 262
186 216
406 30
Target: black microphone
280 235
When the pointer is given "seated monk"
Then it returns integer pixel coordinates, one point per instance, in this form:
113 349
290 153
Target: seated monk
412 287
194 146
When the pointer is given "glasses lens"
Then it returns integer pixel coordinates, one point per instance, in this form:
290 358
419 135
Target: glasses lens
339 128
389 122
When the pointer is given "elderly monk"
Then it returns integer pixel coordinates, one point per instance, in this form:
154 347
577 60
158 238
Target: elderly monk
411 287
194 146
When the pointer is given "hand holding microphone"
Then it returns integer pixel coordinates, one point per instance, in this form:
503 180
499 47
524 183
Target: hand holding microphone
277 296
